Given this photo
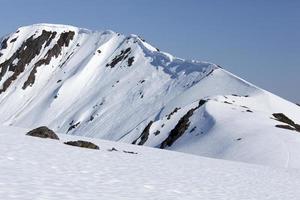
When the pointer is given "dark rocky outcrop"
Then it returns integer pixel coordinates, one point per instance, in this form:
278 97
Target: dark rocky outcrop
13 40
144 135
112 149
172 113
285 126
43 132
157 132
291 125
83 144
193 129
282 118
72 126
130 152
130 61
24 55
4 43
63 40
122 56
181 127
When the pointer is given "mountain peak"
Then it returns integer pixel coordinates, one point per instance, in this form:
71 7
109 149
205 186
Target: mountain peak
116 87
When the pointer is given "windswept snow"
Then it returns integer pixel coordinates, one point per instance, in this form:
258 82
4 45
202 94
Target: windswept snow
34 168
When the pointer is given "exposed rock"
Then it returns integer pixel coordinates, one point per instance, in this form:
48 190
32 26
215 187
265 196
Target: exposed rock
131 152
172 113
244 107
63 40
157 132
285 126
283 118
141 95
122 56
83 144
66 60
53 34
28 50
130 61
181 127
91 118
209 73
72 126
144 135
112 149
140 37
193 129
13 40
43 132
4 43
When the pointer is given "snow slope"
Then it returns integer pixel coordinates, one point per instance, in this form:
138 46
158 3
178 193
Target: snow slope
34 168
115 87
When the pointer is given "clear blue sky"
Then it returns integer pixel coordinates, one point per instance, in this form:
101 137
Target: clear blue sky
257 40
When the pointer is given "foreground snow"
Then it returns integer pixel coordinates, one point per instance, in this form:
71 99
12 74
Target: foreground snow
33 169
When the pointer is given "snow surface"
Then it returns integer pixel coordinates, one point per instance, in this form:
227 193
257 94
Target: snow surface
77 89
34 168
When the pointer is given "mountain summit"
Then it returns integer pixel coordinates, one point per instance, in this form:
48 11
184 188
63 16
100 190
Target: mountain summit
111 86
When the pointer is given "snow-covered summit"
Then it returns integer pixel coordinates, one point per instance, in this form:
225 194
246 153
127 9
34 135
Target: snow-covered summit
107 85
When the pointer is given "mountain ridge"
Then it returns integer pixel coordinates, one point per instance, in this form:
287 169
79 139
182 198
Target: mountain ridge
107 85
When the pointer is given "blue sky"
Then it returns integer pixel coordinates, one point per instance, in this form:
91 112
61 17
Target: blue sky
256 40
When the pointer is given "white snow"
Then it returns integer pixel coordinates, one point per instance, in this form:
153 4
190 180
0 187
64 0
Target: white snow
34 168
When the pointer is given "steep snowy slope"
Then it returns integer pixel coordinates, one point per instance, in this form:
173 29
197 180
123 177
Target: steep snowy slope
110 86
35 168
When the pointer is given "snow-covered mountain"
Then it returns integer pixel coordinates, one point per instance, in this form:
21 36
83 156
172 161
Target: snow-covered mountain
115 87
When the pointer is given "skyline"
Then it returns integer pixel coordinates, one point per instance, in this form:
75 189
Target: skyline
258 41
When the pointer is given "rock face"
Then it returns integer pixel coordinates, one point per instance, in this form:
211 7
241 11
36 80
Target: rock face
43 132
144 136
180 127
83 144
289 124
